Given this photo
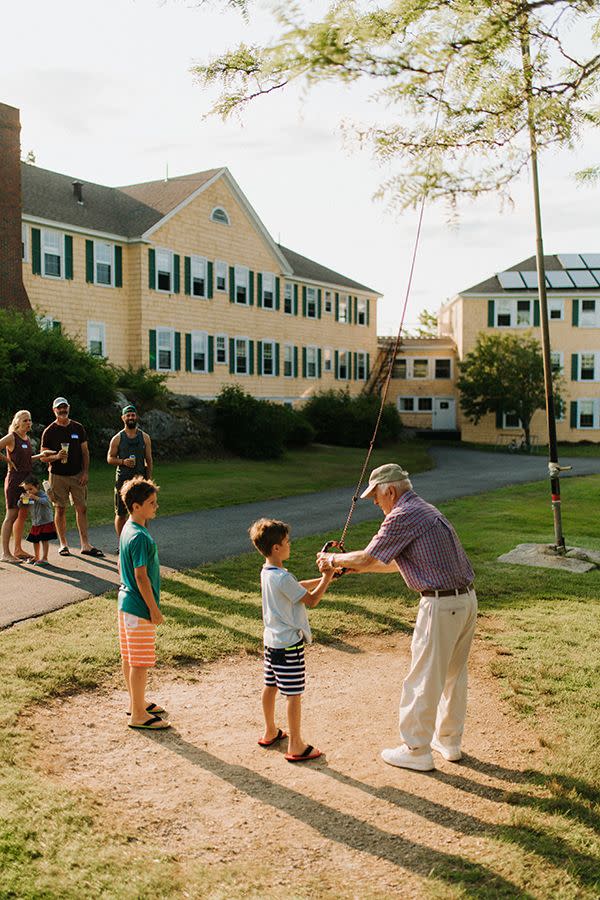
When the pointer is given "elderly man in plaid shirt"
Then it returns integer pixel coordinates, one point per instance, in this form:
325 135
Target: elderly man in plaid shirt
416 540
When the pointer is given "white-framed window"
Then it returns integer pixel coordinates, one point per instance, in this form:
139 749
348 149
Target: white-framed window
504 313
198 277
513 313
268 358
221 349
165 349
588 366
268 290
343 308
523 319
53 253
288 360
361 312
420 368
96 338
311 303
415 404
443 368
311 362
589 314
221 275
219 215
361 366
104 263
24 242
241 365
328 302
47 323
242 282
588 414
557 361
406 404
556 309
288 298
511 420
327 359
164 271
199 348
400 368
343 372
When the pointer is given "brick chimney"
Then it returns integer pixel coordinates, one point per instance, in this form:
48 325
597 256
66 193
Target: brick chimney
12 290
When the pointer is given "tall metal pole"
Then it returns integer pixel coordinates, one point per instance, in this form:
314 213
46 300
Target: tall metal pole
559 540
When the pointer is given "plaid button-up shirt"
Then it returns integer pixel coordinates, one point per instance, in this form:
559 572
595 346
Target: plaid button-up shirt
424 546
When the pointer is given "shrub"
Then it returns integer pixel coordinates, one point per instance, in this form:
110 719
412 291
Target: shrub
338 418
144 388
258 429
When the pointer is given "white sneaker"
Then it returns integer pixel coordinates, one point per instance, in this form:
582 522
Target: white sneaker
452 754
406 758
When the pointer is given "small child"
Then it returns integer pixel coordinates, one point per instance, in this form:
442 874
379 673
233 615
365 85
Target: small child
42 519
286 628
139 600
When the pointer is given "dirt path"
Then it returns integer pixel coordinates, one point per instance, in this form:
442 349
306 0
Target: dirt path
347 824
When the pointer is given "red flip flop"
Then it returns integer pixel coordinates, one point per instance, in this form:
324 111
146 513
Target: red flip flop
310 753
278 737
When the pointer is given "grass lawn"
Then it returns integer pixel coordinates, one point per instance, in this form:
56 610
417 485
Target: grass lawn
205 484
546 625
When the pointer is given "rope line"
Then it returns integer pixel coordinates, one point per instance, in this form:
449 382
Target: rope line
396 345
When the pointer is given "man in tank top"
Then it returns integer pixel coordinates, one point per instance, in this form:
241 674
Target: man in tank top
130 450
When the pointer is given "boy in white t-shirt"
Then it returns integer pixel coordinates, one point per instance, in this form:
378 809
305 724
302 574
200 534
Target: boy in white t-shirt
284 602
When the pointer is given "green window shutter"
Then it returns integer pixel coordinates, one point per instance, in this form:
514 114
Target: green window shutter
187 274
68 257
575 313
319 292
536 313
277 359
336 358
259 357
319 362
356 309
368 312
152 269
491 313
295 299
574 367
89 262
118 266
211 353
368 372
337 307
295 361
304 300
209 280
251 357
259 290
232 355
499 417
355 355
277 292
573 413
177 351
231 285
56 326
188 353
176 273
304 362
36 251
251 291
349 310
152 334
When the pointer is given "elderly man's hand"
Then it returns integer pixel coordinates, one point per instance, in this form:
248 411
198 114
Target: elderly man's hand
323 563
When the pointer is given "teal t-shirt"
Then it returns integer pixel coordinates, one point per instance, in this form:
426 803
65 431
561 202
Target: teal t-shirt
137 548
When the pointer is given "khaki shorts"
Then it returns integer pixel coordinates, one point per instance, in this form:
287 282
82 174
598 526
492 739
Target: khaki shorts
64 487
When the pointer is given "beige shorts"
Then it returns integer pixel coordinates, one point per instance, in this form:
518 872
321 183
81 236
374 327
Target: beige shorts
64 487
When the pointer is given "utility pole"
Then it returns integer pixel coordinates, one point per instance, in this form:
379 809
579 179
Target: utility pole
553 465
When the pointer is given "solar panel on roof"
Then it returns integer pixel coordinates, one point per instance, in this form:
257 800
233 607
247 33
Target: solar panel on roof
558 279
592 260
571 261
596 274
510 280
583 278
530 278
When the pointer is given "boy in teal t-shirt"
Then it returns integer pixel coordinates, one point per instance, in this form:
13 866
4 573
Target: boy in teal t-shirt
139 600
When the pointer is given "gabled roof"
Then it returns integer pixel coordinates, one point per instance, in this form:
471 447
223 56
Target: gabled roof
492 285
169 193
304 268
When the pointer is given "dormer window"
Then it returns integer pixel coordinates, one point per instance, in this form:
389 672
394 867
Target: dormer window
219 215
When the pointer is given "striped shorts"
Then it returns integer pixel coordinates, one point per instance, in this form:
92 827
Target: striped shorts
284 669
137 640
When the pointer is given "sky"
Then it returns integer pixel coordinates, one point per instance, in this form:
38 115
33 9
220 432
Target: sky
106 95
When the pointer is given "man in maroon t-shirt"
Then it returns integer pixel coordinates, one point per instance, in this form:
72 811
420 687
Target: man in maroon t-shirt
69 466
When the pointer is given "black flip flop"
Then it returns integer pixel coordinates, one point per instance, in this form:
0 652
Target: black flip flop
278 737
64 551
93 551
309 753
152 708
151 725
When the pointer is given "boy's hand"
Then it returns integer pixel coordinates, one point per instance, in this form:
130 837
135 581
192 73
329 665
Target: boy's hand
156 617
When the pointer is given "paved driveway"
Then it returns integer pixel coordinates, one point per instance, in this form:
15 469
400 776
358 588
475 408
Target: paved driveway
195 538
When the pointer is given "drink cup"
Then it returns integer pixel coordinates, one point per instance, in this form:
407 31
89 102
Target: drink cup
25 499
65 447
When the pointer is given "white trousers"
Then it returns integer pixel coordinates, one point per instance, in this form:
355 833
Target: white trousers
434 693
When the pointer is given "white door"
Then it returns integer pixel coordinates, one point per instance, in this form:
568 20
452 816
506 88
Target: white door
444 414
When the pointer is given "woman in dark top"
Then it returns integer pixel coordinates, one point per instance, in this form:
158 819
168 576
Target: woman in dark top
19 457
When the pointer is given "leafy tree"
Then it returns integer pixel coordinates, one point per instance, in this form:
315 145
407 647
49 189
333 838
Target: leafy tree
503 373
428 325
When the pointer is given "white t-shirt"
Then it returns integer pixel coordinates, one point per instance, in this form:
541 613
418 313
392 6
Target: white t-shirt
284 617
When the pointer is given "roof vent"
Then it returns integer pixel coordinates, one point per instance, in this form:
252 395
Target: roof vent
78 191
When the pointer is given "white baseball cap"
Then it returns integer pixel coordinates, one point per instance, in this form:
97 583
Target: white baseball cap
60 401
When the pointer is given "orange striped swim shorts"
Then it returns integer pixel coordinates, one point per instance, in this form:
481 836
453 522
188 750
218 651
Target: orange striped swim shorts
137 639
